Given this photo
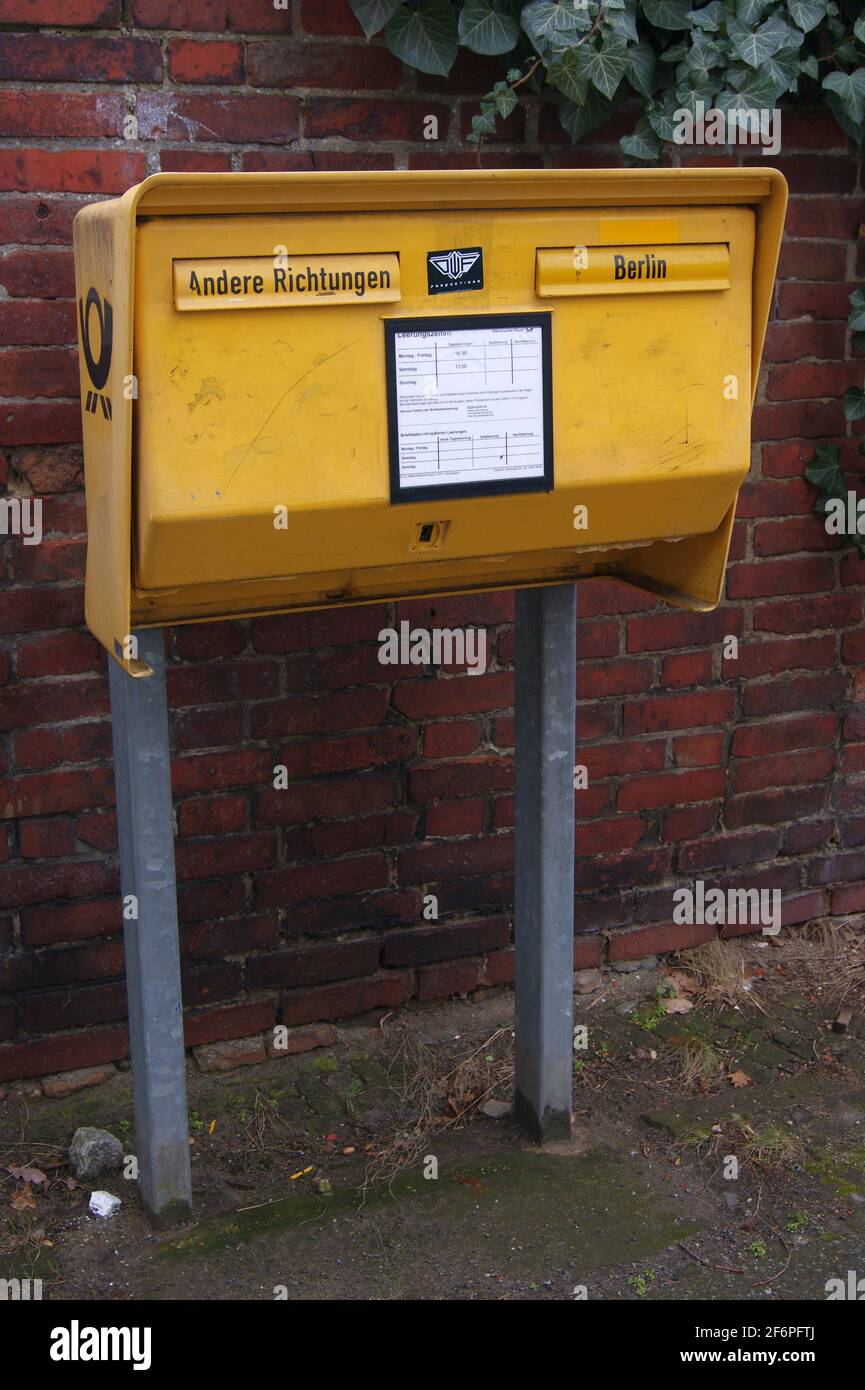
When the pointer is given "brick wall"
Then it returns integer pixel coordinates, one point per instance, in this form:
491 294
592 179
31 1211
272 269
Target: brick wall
305 904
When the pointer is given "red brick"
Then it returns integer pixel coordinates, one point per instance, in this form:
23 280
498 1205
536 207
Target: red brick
211 15
665 712
212 815
46 839
70 171
653 941
771 808
104 14
451 977
236 1021
212 61
800 693
699 750
694 820
782 769
462 858
809 615
446 943
451 739
328 17
353 875
769 577
366 119
450 818
75 115
783 735
66 1051
231 117
670 789
658 632
350 997
64 57
313 965
355 67
686 668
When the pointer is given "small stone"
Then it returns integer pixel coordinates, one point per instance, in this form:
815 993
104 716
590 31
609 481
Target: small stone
226 1056
731 1199
627 966
586 981
282 1042
496 1109
103 1204
94 1151
323 1186
65 1082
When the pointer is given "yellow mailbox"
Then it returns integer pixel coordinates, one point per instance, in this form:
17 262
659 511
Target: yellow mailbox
309 390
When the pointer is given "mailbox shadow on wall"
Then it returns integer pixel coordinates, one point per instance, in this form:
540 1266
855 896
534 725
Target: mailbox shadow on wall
311 390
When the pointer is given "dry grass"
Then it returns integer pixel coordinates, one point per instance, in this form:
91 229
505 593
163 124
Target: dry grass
701 1062
719 969
436 1091
840 947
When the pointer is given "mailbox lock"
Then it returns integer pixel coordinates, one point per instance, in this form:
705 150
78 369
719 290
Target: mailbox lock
428 535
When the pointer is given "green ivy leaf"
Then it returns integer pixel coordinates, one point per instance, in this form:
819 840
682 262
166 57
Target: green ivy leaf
807 13
661 115
643 144
751 11
859 28
641 68
606 66
850 89
624 22
824 471
668 14
553 22
710 17
505 100
854 403
485 28
855 129
425 38
809 67
568 75
783 68
857 311
755 46
580 120
373 15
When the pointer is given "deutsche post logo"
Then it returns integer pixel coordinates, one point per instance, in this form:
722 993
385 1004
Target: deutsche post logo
97 369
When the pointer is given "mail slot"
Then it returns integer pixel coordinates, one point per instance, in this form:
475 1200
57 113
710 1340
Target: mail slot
309 390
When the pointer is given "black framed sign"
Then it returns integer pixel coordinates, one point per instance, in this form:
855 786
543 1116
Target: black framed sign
469 405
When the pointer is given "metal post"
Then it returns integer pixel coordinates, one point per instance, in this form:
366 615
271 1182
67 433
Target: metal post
142 774
546 645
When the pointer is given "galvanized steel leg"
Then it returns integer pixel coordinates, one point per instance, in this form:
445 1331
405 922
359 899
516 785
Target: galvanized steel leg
142 777
545 747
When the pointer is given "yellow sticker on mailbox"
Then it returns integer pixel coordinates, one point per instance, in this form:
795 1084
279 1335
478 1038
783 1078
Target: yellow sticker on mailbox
281 281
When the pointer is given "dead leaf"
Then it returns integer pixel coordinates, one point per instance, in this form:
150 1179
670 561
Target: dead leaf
27 1174
24 1200
739 1079
473 1183
683 982
677 1006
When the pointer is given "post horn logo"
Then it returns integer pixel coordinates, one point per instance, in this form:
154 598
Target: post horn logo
97 370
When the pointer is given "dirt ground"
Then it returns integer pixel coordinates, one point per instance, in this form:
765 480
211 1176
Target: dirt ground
313 1175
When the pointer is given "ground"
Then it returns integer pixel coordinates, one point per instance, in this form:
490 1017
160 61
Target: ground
310 1171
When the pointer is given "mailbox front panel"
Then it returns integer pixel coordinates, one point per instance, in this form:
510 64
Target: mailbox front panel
263 445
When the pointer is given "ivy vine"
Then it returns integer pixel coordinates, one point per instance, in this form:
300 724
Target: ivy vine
590 56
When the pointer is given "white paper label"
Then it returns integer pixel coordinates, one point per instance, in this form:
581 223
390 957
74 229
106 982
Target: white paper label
470 406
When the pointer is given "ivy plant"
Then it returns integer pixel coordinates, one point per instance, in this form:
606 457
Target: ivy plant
590 56
825 471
